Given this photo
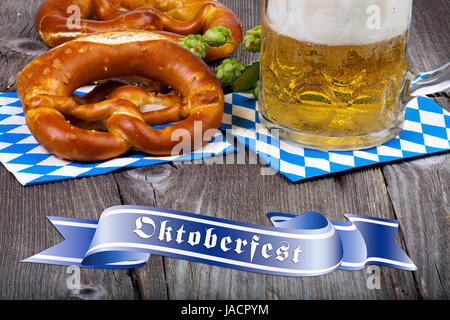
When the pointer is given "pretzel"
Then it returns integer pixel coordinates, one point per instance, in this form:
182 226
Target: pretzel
56 21
45 89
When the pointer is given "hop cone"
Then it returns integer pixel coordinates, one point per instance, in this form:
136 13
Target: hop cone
194 43
252 39
217 36
228 71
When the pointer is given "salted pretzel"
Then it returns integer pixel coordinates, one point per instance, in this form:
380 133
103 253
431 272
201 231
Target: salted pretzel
45 88
56 20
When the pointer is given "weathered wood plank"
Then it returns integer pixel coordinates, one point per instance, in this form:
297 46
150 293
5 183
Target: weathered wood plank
240 192
218 187
24 231
419 189
429 40
420 192
137 187
235 192
209 288
19 42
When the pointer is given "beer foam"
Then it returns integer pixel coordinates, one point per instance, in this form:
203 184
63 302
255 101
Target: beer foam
339 22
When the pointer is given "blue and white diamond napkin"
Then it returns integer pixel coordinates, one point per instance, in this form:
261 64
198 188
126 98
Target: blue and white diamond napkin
426 131
31 164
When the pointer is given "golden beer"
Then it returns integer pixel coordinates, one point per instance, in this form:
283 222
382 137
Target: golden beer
332 96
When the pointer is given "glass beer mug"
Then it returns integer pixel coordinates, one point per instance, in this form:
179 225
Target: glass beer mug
335 73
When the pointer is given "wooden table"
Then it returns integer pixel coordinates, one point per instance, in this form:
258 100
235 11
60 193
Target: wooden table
416 192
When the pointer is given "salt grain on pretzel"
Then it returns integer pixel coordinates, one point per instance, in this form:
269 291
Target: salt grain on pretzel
46 85
58 21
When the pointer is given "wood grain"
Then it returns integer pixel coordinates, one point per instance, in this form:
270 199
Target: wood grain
24 231
414 191
19 43
419 189
241 193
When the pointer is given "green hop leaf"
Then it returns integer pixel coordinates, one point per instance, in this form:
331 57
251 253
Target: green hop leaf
228 71
256 90
252 39
194 43
217 36
247 80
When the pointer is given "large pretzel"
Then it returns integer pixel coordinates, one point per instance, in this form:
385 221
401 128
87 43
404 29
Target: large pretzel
56 21
45 89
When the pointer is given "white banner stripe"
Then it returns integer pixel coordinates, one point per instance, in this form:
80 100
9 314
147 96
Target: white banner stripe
342 228
352 227
211 258
345 228
55 258
74 224
384 223
76 260
375 259
207 257
120 263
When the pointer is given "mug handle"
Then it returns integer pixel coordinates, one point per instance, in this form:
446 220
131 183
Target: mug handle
429 82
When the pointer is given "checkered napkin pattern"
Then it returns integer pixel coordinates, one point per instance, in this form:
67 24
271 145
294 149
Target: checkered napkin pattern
426 131
31 164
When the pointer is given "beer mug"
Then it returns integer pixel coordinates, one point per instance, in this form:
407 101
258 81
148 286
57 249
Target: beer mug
335 73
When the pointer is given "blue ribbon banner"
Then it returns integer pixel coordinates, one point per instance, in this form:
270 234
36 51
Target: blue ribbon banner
303 245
